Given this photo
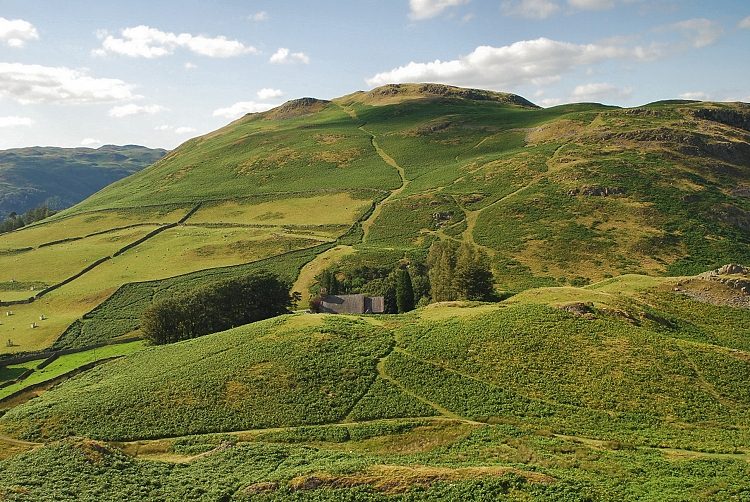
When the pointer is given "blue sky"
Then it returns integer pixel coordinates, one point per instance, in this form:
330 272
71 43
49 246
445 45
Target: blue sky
159 72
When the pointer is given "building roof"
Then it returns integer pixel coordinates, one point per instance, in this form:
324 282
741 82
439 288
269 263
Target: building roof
352 304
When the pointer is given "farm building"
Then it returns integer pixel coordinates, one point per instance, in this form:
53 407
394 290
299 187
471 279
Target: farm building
352 304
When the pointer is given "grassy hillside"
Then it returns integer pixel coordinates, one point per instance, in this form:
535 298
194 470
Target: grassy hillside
639 396
612 373
61 177
560 196
575 191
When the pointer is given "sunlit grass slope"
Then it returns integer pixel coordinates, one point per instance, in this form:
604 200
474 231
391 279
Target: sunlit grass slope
570 193
640 396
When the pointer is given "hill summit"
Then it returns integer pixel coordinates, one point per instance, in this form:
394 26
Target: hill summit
394 93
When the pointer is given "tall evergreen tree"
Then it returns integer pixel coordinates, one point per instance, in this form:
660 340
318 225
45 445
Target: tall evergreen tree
473 278
404 291
441 261
329 282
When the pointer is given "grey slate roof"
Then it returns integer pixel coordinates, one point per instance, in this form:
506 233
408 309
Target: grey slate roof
352 304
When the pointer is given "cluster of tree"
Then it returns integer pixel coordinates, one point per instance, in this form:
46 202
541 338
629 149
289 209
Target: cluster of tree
217 307
402 286
452 271
459 272
15 221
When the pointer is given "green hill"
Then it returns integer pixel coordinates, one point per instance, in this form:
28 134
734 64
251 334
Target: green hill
611 371
60 177
554 194
642 395
560 196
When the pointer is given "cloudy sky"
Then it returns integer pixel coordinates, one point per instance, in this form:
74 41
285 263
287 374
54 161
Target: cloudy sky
156 73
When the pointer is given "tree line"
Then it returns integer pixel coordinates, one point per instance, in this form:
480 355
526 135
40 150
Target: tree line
15 221
217 307
452 271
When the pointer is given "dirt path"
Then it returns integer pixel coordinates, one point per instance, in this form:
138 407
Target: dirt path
17 442
444 412
307 275
602 444
702 382
473 215
367 224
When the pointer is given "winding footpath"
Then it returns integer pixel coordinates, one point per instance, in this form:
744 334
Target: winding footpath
367 224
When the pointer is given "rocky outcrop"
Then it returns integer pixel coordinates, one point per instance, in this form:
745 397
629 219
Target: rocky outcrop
296 108
733 118
732 275
733 215
596 191
448 91
580 309
685 142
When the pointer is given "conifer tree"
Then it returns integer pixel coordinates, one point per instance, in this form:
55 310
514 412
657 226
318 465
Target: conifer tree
404 292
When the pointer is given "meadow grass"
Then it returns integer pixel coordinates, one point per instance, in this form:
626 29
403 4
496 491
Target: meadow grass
67 363
556 401
329 209
52 264
80 225
311 270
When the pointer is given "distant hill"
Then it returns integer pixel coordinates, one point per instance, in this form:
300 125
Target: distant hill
61 177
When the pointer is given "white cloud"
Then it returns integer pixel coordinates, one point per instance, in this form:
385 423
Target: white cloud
745 23
190 66
16 32
268 93
700 32
537 61
284 56
133 109
146 42
241 108
15 121
47 84
532 9
425 9
90 142
184 130
592 4
259 16
547 102
697 95
163 127
600 91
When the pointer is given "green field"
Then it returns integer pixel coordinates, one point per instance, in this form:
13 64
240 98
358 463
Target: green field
65 364
52 264
59 228
221 235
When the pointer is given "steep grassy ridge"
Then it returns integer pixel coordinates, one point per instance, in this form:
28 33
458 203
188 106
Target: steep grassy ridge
575 192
